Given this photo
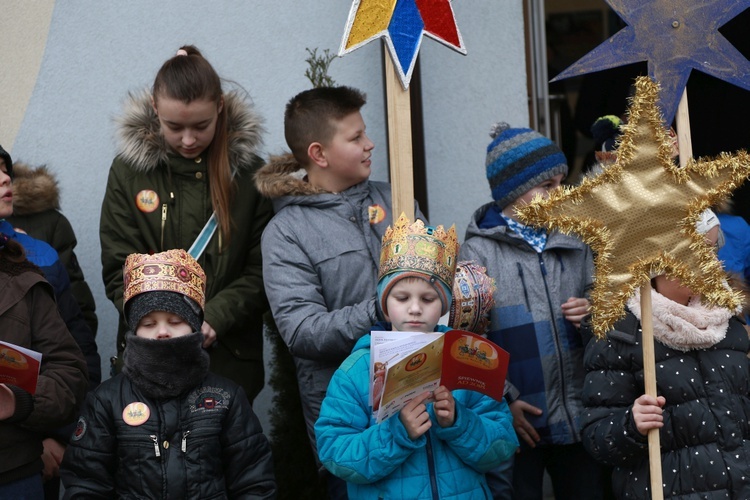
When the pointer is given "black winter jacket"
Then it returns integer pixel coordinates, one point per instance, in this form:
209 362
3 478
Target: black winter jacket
207 444
705 441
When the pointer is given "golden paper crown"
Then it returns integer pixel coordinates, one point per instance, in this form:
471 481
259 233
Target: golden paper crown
170 271
414 247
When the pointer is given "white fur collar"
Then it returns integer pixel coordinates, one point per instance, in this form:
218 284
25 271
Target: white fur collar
684 328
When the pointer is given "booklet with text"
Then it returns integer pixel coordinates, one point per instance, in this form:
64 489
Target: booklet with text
406 364
19 366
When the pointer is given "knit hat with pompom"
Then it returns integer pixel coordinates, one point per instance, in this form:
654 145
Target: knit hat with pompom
519 159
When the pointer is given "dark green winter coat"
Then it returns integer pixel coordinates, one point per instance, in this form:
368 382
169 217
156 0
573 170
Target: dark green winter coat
156 201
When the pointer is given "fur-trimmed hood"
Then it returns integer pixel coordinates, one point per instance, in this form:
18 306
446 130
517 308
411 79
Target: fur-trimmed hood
284 176
140 143
34 190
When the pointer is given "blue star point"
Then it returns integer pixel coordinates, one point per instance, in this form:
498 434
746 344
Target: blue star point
675 37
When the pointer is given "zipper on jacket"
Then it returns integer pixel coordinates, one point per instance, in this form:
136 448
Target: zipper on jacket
156 444
523 286
163 224
184 440
558 345
431 467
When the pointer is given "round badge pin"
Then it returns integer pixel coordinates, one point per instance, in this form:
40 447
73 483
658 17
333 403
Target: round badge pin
147 201
136 413
376 214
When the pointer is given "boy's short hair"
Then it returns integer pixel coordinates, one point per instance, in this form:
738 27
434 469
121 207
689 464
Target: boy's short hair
311 116
519 159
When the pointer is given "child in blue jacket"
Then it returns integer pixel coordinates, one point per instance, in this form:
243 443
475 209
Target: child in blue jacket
441 443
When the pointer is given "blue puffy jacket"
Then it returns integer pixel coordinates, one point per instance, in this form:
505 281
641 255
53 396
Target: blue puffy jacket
380 461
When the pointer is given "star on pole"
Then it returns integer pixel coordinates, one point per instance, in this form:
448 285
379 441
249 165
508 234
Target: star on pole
675 37
639 214
401 23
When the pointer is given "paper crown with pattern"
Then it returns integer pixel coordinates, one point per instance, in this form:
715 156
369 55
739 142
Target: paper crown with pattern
170 271
418 248
473 298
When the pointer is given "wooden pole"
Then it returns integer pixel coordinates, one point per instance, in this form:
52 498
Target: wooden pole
682 121
685 145
398 106
649 378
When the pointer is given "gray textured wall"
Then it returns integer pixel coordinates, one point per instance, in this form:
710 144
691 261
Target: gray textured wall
96 51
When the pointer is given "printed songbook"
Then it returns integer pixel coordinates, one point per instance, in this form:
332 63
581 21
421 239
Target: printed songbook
19 366
406 364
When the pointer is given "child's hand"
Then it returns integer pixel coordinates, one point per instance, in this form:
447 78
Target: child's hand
647 413
575 309
209 335
52 456
445 406
7 402
414 416
523 427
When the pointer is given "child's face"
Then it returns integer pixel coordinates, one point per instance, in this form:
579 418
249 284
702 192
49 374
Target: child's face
672 288
542 189
348 152
413 306
6 192
162 325
188 128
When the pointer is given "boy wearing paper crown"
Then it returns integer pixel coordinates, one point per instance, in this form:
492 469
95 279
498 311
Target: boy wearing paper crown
538 310
441 443
166 424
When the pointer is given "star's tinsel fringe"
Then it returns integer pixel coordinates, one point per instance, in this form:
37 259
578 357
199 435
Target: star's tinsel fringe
608 297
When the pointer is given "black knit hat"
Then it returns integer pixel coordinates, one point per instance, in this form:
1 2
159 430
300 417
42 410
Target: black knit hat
8 161
172 302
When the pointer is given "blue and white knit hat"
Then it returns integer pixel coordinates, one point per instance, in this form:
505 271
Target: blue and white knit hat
519 159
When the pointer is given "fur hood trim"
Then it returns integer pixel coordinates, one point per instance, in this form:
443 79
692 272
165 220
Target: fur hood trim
284 176
34 190
141 144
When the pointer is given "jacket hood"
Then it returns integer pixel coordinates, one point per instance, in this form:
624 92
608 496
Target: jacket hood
362 343
34 190
284 176
141 144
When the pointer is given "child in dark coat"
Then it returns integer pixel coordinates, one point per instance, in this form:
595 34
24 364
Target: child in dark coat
166 425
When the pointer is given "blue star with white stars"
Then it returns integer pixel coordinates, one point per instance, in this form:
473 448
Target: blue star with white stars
675 37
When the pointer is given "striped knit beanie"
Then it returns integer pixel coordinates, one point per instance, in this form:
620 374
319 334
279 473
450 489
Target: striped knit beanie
519 159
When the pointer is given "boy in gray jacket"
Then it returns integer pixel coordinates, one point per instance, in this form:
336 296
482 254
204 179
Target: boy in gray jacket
539 303
322 247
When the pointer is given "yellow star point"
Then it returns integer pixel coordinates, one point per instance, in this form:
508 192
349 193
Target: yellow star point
639 214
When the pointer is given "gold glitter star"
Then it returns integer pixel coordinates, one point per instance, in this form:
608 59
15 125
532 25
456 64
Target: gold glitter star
639 214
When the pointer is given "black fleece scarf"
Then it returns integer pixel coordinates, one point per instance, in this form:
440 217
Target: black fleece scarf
165 369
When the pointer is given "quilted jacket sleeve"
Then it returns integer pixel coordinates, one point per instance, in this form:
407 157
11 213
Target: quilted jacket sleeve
248 466
90 461
610 388
350 445
295 293
482 435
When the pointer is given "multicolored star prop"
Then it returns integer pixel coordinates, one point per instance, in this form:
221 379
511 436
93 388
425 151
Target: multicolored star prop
674 36
402 23
639 214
